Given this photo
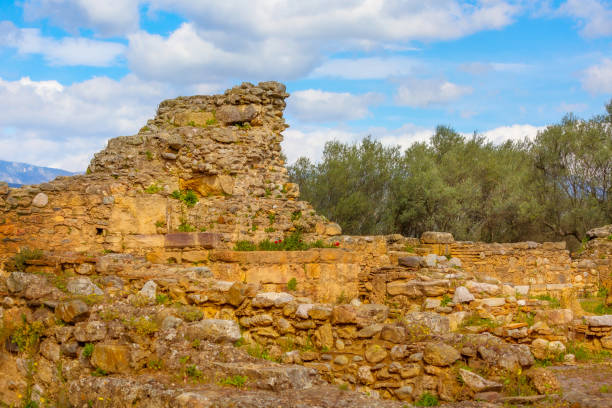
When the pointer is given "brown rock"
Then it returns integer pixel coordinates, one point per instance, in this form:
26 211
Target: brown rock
440 354
543 380
72 311
344 314
111 358
375 354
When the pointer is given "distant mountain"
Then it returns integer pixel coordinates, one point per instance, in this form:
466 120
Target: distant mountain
17 174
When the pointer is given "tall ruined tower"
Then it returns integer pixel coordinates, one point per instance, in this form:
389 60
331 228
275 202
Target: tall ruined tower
203 164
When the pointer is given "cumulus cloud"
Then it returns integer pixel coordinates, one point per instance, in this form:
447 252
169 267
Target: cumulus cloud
598 78
314 105
514 132
310 142
188 56
594 16
65 125
286 39
421 93
367 68
62 51
480 68
105 17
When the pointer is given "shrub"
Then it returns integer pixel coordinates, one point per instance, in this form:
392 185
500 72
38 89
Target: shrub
26 254
153 189
155 364
188 197
27 335
445 300
193 372
161 299
190 313
98 372
184 226
143 326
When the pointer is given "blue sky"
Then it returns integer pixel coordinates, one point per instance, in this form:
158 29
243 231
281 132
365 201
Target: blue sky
74 73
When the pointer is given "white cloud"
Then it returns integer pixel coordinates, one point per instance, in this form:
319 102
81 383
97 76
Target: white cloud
189 56
63 51
598 78
106 17
594 16
286 39
310 142
480 68
63 126
513 132
314 105
367 68
425 92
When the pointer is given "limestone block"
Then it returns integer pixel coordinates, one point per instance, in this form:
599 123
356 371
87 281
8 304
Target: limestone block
40 200
440 354
215 330
432 237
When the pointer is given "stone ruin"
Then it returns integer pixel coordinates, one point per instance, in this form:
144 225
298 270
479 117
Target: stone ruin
123 287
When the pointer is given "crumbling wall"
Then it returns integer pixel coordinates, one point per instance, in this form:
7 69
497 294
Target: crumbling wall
204 163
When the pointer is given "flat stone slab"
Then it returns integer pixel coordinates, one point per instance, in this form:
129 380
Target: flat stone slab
599 321
206 240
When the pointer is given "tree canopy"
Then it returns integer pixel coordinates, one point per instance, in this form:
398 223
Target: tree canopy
556 186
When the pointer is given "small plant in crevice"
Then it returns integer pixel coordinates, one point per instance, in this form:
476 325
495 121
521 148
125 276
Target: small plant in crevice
237 381
188 197
292 284
184 226
26 254
427 400
88 350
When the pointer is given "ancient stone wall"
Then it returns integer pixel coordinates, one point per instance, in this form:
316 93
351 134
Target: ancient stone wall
204 163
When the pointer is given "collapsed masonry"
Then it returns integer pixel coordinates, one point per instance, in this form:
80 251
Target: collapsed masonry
221 157
140 300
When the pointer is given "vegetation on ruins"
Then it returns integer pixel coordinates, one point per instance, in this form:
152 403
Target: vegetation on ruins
188 197
291 242
556 186
26 254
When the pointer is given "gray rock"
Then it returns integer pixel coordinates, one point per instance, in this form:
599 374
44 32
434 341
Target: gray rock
268 299
40 200
427 322
169 156
430 261
409 261
83 286
462 295
171 322
600 232
85 269
599 321
215 330
149 290
198 272
369 314
480 287
478 383
455 263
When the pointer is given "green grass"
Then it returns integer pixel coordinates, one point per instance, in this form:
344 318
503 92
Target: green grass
237 381
292 242
153 189
553 302
583 353
475 320
596 306
427 400
26 254
190 313
445 300
161 299
184 226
